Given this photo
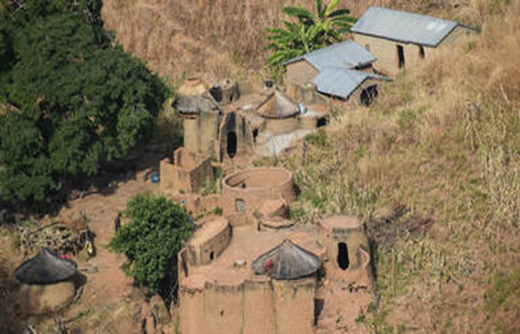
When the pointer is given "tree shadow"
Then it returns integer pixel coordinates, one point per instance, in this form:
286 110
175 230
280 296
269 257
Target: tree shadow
144 158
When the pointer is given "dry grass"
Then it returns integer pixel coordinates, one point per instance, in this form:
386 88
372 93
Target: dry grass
217 39
443 140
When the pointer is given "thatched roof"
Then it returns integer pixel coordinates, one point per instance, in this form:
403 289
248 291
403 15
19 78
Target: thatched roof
193 87
287 261
45 268
277 106
195 104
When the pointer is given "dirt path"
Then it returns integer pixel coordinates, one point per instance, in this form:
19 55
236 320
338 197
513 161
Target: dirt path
109 287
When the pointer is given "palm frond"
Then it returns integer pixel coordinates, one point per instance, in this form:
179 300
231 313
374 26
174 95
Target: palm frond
298 12
339 12
331 6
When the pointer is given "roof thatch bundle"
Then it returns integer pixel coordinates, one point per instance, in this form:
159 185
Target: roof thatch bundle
277 106
195 104
45 268
192 87
286 261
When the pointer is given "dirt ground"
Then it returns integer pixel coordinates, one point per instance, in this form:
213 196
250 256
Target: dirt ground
108 302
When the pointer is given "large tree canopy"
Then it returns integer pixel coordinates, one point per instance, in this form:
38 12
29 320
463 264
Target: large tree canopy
75 97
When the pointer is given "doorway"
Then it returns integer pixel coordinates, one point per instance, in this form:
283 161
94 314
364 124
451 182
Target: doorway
231 144
368 95
343 261
400 56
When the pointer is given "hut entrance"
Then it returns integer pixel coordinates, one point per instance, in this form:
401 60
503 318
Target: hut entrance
343 261
231 144
400 56
368 95
321 122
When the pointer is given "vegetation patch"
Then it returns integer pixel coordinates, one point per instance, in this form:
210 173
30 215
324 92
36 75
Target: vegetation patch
151 240
75 98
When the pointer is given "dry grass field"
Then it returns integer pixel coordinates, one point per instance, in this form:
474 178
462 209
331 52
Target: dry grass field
433 166
215 39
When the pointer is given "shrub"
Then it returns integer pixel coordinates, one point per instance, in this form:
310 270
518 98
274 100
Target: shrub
152 239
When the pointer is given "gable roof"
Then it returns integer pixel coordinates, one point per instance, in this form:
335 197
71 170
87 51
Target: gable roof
286 261
45 268
342 82
277 106
345 54
403 27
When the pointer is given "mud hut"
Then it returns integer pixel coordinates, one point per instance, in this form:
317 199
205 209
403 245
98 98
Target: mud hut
46 283
287 261
201 114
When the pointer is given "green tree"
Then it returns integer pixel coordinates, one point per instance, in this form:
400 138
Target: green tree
78 98
309 32
152 239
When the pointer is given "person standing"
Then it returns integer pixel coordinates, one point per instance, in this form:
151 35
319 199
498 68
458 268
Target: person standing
117 222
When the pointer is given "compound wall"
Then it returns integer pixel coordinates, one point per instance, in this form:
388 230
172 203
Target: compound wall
253 307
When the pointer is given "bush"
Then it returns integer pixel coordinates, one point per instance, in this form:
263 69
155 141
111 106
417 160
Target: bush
152 239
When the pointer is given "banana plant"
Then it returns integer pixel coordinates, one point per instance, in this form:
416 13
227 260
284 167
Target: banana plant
309 32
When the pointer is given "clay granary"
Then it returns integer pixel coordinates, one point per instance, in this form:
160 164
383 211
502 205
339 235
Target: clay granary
47 283
402 40
250 269
240 127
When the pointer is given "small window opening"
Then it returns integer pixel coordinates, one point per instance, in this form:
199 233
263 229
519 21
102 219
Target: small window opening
421 52
231 144
400 56
240 205
343 261
368 95
321 122
212 255
221 313
255 134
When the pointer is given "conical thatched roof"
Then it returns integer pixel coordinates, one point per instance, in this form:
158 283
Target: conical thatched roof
45 268
287 261
193 97
278 106
195 104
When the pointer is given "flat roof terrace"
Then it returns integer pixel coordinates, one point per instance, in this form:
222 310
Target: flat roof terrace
247 244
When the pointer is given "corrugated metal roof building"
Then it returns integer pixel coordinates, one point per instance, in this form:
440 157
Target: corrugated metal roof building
402 40
346 54
403 27
342 82
336 70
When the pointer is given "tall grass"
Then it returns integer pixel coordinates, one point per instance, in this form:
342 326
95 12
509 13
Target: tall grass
444 141
223 38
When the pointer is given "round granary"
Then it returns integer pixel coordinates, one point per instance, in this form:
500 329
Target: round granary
45 268
246 190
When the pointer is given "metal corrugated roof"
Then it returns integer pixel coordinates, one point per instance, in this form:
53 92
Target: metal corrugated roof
346 54
342 82
403 27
